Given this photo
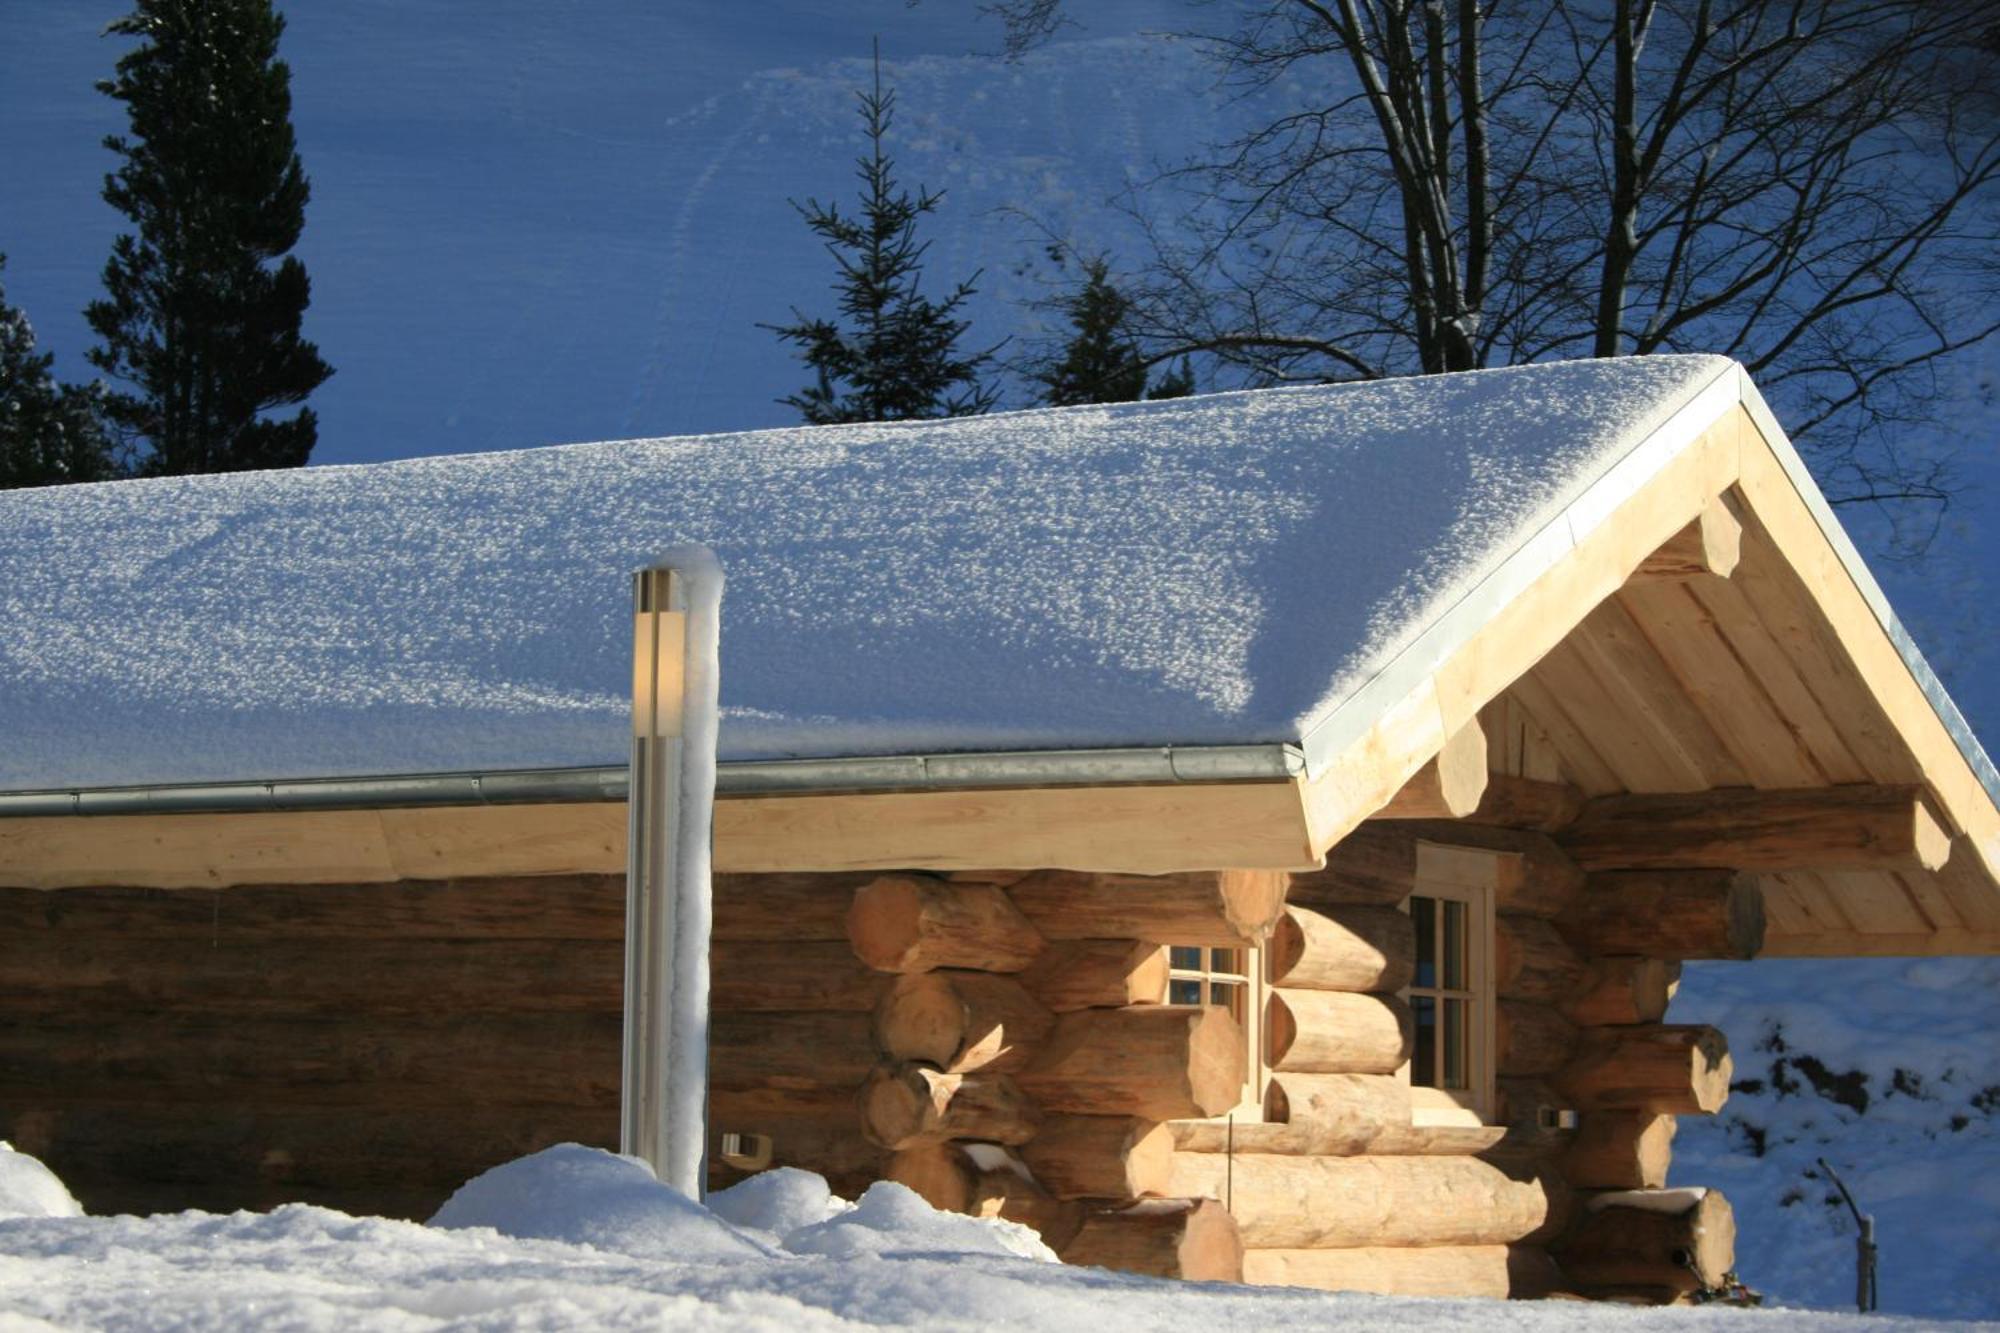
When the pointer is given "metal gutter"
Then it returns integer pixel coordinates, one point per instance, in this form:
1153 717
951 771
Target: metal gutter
563 786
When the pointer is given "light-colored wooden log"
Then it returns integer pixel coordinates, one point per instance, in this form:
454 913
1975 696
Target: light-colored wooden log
1673 914
911 923
1637 1238
961 1020
1196 1239
72 971
1343 949
1098 974
1711 545
783 907
1621 1150
938 1172
1527 803
1219 908
1300 1140
1496 1272
1855 827
1285 1202
1532 960
1532 1040
905 1104
1337 1114
789 1051
1336 1032
1622 990
539 907
1152 1062
1004 1192
757 975
1100 1156
1663 1068
1450 785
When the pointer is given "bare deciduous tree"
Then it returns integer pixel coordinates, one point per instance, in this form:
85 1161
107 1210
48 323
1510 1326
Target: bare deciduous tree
1806 185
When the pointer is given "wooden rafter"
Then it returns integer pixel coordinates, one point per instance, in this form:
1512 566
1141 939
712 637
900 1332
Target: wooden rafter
1860 827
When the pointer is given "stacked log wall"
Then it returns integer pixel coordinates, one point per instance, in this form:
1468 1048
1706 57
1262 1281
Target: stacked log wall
1340 1190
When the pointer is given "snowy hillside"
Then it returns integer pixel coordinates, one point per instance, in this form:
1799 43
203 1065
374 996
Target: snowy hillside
1889 1069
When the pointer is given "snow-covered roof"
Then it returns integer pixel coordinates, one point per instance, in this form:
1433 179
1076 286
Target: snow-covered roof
1211 571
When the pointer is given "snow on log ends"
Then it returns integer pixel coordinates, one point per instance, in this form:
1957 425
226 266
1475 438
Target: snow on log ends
1217 570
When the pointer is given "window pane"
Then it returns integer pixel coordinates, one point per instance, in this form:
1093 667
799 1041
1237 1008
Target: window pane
1423 914
1183 992
1223 960
1423 1062
1452 1042
1223 993
1186 957
1453 952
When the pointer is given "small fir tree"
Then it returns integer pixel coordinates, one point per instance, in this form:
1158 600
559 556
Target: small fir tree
892 354
1101 362
203 304
49 432
1176 383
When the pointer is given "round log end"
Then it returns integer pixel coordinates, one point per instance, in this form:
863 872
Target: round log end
921 1018
884 922
1216 1060
898 1109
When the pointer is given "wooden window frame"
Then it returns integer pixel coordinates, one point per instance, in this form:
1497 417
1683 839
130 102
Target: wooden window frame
1473 1105
1245 976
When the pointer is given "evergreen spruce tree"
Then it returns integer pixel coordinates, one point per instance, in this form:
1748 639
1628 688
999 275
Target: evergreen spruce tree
1101 362
1176 383
892 353
203 303
49 432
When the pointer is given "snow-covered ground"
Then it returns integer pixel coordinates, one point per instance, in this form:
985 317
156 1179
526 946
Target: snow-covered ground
573 1238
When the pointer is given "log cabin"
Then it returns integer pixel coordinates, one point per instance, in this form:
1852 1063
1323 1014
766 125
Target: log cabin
1252 837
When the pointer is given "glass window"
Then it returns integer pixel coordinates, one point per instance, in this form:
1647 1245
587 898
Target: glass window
1444 1001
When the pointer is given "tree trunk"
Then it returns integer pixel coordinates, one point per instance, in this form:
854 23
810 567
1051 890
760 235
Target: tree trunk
1638 1239
1496 1272
1098 974
960 1020
1616 991
904 1105
906 923
1337 1113
1316 1203
1532 961
1223 909
1100 1157
1674 914
1660 1068
1343 949
1621 1150
1186 1238
749 976
1532 1039
1149 1062
1336 1032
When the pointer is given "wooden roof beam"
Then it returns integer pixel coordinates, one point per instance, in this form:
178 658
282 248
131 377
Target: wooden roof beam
1527 803
1711 544
1450 786
1856 827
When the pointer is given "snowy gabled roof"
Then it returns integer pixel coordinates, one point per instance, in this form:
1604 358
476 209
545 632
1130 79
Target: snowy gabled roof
1211 571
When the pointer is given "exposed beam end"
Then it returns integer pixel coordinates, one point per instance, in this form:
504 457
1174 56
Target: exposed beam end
1450 786
1711 544
1856 827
